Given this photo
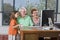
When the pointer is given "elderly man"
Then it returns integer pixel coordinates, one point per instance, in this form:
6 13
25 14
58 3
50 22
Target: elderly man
24 19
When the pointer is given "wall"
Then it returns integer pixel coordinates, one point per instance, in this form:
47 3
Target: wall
3 29
0 19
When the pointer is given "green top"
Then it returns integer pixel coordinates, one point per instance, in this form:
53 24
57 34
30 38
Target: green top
18 19
26 21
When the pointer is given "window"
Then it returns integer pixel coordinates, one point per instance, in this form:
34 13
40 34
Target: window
7 8
58 6
51 5
42 4
20 3
0 5
29 4
9 5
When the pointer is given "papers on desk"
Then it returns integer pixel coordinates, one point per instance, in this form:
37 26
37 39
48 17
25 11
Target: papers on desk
46 28
30 27
38 28
50 28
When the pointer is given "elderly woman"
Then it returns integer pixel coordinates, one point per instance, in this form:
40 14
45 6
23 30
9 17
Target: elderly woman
35 17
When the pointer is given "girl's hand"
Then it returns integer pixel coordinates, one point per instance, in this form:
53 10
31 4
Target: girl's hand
16 26
19 31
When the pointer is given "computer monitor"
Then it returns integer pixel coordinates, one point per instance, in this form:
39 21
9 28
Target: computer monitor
45 15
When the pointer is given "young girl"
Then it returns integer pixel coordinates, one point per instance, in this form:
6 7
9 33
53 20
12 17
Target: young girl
13 27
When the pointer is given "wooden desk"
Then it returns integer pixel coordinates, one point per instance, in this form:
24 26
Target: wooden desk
35 34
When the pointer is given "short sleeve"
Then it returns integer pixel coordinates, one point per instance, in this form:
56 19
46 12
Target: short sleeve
12 23
18 19
30 21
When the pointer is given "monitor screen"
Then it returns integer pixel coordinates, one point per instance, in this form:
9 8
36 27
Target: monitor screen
45 15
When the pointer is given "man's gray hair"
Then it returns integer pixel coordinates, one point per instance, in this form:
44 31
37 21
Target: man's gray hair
22 8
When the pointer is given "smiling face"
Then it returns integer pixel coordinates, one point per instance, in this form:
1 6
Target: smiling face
17 14
34 13
23 12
